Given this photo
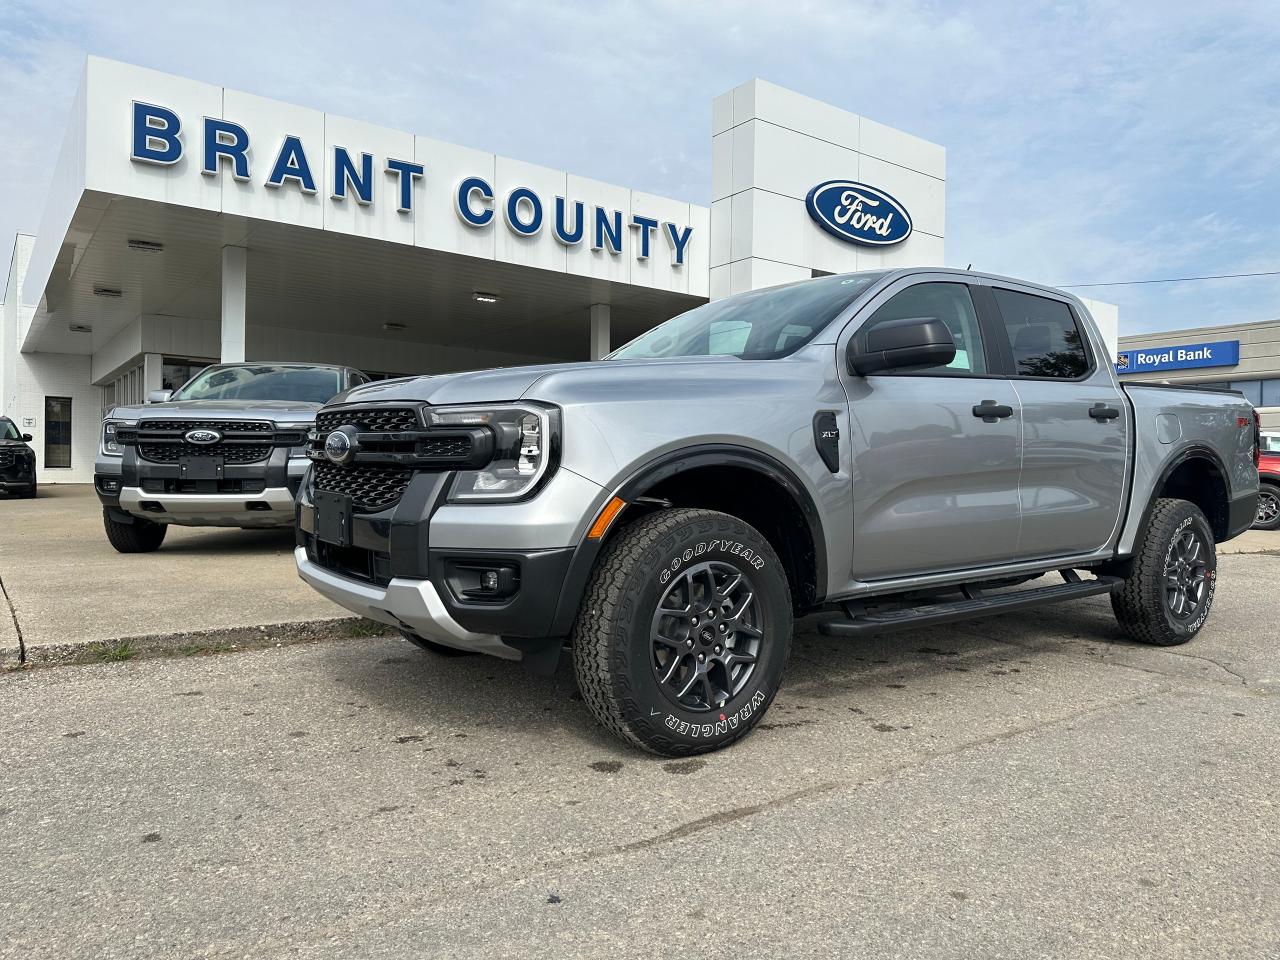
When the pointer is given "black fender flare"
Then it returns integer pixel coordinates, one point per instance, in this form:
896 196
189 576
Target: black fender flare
668 465
1194 451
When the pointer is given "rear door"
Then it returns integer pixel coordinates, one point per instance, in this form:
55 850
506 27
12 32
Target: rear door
935 480
1075 422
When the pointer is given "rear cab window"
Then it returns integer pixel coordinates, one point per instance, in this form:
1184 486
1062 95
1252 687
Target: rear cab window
1045 337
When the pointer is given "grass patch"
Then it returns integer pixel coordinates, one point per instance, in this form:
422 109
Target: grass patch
114 652
364 628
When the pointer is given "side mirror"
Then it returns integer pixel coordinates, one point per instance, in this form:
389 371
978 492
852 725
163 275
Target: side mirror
159 396
895 344
26 438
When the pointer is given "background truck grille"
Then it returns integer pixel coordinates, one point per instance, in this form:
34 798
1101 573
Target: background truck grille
7 458
239 453
372 486
370 420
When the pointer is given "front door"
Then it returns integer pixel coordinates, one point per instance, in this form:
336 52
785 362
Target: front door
936 453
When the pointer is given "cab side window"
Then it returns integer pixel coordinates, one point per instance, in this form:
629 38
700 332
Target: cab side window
950 303
1044 335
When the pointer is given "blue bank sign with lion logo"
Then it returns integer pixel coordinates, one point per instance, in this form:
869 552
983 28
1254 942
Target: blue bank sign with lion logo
858 213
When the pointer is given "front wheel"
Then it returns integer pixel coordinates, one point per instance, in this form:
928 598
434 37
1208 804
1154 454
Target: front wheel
1166 597
140 536
684 632
1268 507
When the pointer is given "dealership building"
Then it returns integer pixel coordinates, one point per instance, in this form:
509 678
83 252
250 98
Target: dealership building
1243 356
188 223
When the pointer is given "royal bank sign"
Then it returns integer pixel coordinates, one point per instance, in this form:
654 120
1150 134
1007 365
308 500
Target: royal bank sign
1187 356
227 149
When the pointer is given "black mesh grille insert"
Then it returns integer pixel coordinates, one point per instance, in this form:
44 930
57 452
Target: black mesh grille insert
371 486
230 453
224 426
7 458
445 448
370 419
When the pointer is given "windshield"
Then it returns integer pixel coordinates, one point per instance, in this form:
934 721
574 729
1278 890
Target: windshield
263 382
761 325
8 431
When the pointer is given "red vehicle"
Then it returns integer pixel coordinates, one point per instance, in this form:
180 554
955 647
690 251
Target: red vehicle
1269 483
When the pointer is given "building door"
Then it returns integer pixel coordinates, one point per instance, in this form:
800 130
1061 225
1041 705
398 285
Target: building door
57 432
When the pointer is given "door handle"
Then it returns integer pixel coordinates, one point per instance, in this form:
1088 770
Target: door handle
989 411
1100 412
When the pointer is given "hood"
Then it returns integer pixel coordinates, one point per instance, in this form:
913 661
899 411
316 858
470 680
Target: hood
279 411
533 382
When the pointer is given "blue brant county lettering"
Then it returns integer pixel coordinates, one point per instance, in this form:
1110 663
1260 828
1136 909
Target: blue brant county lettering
157 138
858 213
1220 353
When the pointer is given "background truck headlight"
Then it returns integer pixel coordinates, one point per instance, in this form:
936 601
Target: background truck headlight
526 442
110 447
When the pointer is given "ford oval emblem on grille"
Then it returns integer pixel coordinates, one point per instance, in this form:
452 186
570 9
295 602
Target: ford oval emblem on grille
202 437
340 446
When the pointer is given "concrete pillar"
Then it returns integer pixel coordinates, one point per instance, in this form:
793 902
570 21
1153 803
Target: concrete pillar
152 373
235 286
601 338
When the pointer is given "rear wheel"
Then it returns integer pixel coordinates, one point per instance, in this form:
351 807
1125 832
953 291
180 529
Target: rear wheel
1166 597
140 536
1268 507
684 632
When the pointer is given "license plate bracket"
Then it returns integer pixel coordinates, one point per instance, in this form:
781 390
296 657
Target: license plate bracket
333 517
200 468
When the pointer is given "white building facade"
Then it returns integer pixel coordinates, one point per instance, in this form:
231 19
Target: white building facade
189 223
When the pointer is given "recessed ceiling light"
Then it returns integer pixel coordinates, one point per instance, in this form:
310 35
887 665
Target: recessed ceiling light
479 297
113 292
146 246
81 328
392 325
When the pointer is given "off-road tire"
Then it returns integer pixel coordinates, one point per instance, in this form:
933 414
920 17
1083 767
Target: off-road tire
439 649
141 536
1265 490
1140 602
613 648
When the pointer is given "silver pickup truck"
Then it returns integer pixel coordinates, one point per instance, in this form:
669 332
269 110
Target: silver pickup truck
227 449
885 450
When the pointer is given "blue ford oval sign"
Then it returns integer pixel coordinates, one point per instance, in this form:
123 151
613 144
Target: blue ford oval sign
857 213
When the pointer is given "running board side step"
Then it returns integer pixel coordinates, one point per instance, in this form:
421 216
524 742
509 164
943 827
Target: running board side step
974 605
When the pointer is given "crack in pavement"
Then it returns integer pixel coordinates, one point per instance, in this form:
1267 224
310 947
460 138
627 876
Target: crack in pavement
13 615
734 814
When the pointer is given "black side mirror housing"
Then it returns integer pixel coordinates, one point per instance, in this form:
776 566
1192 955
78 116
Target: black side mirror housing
26 438
897 344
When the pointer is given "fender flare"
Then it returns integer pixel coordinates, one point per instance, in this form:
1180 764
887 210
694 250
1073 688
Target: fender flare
670 464
1194 451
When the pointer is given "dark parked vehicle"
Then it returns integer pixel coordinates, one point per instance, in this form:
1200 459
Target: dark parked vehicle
17 461
227 449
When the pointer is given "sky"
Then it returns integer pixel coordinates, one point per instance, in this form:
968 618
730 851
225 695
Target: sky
1087 142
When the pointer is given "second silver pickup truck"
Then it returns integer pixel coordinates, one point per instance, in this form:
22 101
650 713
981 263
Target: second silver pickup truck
888 450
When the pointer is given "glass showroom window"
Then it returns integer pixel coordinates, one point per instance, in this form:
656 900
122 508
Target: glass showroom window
57 432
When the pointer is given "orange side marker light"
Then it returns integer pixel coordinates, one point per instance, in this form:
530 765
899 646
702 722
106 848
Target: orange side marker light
606 518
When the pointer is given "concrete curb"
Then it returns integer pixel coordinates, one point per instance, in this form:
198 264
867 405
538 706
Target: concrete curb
191 643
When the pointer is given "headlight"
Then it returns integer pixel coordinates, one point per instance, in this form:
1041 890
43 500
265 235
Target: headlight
526 438
110 447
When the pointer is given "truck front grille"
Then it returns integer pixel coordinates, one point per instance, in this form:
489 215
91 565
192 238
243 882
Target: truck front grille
171 452
371 486
7 458
243 441
369 420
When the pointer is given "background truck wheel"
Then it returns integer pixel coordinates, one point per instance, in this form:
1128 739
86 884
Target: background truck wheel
432 647
1166 597
684 632
141 536
1268 507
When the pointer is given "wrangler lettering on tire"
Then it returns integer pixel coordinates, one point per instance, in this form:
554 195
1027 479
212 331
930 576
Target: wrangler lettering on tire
684 632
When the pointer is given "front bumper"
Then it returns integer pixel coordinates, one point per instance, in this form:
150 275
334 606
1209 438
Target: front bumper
413 605
272 507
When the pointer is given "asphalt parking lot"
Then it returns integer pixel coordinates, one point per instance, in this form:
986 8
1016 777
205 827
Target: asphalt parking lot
1027 786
